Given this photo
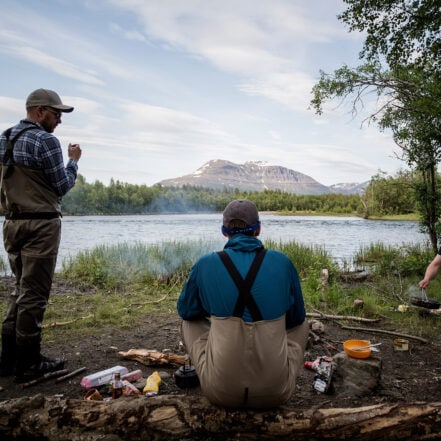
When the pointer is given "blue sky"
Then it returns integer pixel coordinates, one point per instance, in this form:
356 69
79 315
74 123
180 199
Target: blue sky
160 87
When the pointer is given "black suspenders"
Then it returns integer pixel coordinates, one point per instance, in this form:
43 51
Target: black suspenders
10 143
245 298
8 157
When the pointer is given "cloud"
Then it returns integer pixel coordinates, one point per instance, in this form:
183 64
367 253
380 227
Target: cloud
84 61
59 66
128 34
264 43
177 129
288 89
10 106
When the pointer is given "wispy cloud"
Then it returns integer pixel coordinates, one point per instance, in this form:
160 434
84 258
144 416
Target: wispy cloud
84 60
254 40
128 34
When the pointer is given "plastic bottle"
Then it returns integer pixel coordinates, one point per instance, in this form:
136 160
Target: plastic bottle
102 377
117 386
152 384
313 365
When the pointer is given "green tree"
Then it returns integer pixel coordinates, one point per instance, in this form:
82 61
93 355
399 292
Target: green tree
389 195
405 36
399 30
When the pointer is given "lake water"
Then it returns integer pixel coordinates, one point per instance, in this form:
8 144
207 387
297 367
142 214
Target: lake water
342 237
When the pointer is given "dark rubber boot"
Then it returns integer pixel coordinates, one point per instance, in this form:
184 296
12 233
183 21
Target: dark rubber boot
31 364
8 354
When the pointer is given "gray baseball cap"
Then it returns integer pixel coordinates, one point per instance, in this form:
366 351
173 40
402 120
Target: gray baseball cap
46 97
241 209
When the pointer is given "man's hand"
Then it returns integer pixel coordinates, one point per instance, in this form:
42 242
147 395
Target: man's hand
74 152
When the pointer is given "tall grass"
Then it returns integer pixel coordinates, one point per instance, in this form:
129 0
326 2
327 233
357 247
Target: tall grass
117 266
310 261
383 260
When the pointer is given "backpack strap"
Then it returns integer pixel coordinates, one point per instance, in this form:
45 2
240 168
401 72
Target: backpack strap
245 298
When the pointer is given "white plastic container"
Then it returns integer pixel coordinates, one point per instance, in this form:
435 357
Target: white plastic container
102 377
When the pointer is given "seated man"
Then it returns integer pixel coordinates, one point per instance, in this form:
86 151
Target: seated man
243 317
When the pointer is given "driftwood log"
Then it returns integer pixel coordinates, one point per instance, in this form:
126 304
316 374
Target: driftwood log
177 417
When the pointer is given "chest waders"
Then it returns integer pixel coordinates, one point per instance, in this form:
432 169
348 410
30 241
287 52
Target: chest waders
245 298
9 347
26 195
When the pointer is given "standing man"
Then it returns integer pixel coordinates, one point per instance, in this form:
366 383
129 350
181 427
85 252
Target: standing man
243 314
33 180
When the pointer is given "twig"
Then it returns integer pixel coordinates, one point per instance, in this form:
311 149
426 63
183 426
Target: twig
45 377
69 322
401 289
72 374
393 296
319 314
149 302
314 336
383 331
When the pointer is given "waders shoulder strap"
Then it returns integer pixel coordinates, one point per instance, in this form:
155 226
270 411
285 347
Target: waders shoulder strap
245 298
8 156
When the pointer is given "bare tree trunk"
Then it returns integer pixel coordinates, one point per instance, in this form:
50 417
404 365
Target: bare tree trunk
172 417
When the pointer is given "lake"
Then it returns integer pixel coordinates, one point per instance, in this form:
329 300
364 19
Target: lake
342 237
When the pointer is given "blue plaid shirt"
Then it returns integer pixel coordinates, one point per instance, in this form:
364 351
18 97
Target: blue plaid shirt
41 150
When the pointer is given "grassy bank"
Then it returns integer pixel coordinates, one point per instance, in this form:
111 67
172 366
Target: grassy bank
390 217
118 286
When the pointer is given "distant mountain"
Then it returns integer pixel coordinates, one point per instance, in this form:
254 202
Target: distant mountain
349 188
256 176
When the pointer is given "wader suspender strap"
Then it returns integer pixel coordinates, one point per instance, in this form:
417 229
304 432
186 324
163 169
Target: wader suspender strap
9 148
8 156
245 298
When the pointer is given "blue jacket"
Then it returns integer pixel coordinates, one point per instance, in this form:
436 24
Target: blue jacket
210 289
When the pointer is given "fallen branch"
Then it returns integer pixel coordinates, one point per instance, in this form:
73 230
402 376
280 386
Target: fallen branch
152 357
44 377
70 375
177 417
319 314
383 331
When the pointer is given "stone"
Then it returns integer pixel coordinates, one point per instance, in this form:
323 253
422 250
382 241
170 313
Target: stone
355 377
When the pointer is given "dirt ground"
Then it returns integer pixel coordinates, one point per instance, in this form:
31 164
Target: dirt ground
406 376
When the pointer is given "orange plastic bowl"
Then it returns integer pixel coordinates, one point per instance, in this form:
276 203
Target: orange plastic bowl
350 345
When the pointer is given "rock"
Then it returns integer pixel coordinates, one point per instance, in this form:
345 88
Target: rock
355 377
358 303
317 326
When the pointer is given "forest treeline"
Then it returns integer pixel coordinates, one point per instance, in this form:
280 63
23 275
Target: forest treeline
385 195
